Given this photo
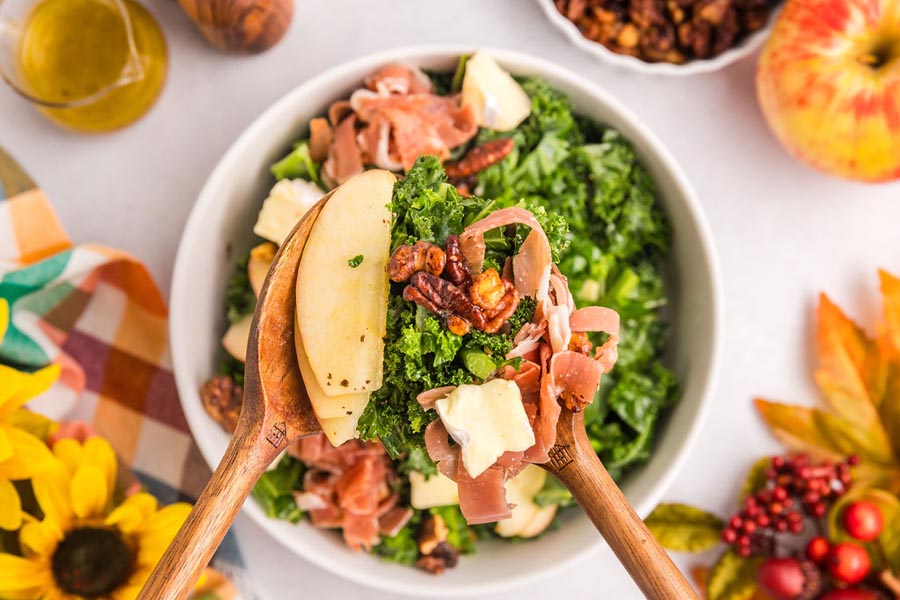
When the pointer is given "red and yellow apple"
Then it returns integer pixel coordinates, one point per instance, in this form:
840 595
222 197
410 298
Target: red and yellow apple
829 85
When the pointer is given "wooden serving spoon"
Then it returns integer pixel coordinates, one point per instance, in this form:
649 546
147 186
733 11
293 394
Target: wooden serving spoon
576 465
276 411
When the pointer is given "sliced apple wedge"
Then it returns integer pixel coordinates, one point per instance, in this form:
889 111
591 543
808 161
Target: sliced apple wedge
498 102
342 286
236 338
258 266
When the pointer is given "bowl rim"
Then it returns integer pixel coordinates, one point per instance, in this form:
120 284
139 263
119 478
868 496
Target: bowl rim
181 286
697 66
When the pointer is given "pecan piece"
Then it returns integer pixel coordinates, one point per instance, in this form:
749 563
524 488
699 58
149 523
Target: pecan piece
449 298
487 289
456 324
444 557
421 256
432 532
457 267
480 158
579 342
222 398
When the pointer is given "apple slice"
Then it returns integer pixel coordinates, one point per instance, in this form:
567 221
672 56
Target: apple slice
261 258
237 337
527 516
286 204
342 286
437 490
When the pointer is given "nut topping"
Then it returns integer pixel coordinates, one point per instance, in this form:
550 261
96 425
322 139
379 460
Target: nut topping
222 399
480 158
421 256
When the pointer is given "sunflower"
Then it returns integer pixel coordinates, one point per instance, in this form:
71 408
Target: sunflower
85 546
22 453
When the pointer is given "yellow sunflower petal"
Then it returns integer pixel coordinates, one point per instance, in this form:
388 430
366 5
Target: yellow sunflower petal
40 538
36 424
29 457
132 513
89 493
23 579
11 381
51 489
158 531
4 317
98 452
34 385
133 586
71 452
10 506
6 449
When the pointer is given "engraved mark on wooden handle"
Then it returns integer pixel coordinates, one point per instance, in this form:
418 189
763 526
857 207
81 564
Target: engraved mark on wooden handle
278 434
560 457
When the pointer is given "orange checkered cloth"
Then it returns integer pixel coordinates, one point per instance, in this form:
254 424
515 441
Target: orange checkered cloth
98 313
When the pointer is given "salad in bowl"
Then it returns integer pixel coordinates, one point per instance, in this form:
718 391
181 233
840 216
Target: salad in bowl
488 255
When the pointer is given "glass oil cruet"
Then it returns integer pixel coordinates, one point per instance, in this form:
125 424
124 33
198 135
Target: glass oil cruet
88 65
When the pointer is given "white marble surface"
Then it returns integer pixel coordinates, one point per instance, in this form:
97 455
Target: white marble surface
783 232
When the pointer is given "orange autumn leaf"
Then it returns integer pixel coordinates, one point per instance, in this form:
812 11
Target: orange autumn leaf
860 381
890 291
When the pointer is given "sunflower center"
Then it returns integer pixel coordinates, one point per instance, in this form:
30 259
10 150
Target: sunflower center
92 562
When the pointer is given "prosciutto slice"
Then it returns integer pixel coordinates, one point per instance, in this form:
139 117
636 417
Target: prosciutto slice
445 456
347 487
531 266
396 78
427 398
344 155
483 499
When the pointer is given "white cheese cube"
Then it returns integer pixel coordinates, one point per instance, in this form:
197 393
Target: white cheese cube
486 421
288 201
437 490
498 102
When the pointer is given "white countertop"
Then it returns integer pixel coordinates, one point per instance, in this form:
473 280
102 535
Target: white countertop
783 232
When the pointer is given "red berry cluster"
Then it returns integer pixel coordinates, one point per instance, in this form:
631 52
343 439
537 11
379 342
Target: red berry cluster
793 487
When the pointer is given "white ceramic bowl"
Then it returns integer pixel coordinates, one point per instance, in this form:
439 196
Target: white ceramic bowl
746 46
219 229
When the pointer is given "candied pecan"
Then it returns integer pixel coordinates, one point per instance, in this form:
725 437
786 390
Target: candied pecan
629 36
646 13
480 158
457 267
444 557
675 12
754 18
448 298
711 11
432 532
726 32
412 294
222 399
504 309
487 289
579 342
696 36
456 324
421 256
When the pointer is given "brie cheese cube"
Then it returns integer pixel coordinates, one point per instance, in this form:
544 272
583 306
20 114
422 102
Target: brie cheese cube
288 201
237 338
486 421
498 102
437 490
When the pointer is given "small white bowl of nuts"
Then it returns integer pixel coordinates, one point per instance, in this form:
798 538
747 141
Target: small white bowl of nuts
667 37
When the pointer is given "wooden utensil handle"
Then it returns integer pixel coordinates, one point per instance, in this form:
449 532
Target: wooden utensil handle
584 475
197 540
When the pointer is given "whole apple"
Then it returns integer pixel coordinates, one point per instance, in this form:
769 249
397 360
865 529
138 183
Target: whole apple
829 85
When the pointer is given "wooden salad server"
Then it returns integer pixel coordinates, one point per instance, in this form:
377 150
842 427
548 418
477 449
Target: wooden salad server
576 465
276 411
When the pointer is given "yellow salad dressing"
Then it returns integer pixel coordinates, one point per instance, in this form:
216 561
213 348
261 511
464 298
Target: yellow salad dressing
72 49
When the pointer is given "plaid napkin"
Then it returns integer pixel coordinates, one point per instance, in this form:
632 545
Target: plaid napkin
97 313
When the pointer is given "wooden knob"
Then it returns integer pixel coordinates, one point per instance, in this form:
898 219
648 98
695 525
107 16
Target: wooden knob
243 26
